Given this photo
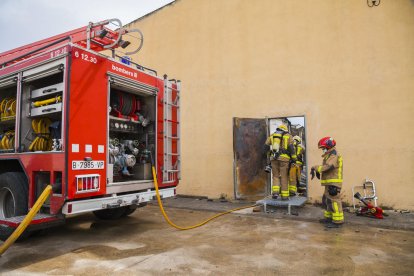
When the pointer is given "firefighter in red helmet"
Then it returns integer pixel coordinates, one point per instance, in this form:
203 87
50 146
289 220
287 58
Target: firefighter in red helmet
330 174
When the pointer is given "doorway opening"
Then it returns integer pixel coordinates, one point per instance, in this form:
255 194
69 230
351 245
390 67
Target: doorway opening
298 171
251 157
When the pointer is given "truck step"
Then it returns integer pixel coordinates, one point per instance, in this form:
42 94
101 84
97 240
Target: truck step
37 220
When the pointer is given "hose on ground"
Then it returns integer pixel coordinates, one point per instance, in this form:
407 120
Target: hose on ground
154 175
26 221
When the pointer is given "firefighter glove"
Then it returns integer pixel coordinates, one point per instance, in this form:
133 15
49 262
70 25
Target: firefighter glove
318 175
312 173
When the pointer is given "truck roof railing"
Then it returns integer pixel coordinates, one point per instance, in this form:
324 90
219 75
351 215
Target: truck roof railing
94 36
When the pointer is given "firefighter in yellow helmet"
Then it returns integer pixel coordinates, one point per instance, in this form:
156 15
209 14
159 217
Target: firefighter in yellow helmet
296 167
281 154
331 174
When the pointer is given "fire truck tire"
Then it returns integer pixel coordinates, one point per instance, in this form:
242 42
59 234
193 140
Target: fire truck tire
131 208
13 199
6 231
13 194
109 214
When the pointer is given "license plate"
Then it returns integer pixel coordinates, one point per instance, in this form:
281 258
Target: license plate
88 165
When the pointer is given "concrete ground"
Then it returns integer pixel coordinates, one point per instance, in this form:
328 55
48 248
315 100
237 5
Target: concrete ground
243 243
395 219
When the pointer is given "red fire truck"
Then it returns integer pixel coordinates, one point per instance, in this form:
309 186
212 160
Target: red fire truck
76 114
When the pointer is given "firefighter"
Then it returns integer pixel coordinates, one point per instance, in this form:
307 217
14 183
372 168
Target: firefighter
281 154
330 173
296 168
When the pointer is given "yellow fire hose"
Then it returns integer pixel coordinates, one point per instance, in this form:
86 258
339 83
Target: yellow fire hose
29 217
8 108
41 128
47 101
7 142
154 175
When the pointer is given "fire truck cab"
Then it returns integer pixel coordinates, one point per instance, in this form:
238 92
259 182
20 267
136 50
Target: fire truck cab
76 115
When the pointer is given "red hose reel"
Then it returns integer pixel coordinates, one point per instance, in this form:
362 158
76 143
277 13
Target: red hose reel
125 105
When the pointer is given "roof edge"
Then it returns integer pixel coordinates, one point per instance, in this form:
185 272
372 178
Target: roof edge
151 13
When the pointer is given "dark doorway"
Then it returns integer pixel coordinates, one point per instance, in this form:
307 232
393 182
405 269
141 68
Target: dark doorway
250 155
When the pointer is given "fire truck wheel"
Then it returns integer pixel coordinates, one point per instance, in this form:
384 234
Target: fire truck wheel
129 210
13 199
13 194
6 231
108 214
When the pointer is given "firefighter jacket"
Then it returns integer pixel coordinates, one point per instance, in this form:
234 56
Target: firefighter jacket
300 154
331 169
282 142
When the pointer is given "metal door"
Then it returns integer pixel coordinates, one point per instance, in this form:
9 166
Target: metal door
249 137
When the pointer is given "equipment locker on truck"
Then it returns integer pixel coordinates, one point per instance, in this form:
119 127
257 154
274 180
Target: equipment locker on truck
86 123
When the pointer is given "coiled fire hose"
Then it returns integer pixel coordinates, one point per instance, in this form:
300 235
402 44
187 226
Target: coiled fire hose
8 108
26 221
154 175
7 140
41 128
7 112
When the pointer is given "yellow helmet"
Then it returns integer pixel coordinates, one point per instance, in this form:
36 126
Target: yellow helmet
282 127
297 139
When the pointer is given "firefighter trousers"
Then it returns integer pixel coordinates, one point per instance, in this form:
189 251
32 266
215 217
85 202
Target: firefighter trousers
294 178
280 178
333 207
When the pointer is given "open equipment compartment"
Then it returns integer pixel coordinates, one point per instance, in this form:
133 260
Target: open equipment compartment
8 109
89 125
42 106
132 134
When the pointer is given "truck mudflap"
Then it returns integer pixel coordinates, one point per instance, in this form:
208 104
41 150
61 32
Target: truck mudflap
114 201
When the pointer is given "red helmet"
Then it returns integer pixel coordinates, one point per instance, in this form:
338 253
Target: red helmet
326 143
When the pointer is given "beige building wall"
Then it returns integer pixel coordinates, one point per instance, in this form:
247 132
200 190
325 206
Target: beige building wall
347 67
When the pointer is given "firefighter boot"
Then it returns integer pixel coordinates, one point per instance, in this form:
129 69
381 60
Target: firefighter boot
325 220
333 225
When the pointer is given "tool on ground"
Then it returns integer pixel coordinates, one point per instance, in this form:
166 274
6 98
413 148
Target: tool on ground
369 210
368 190
29 217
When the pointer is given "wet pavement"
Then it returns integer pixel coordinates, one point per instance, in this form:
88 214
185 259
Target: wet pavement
395 219
242 244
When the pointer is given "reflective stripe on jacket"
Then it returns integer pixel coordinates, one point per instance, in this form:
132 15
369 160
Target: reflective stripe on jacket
331 170
300 150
